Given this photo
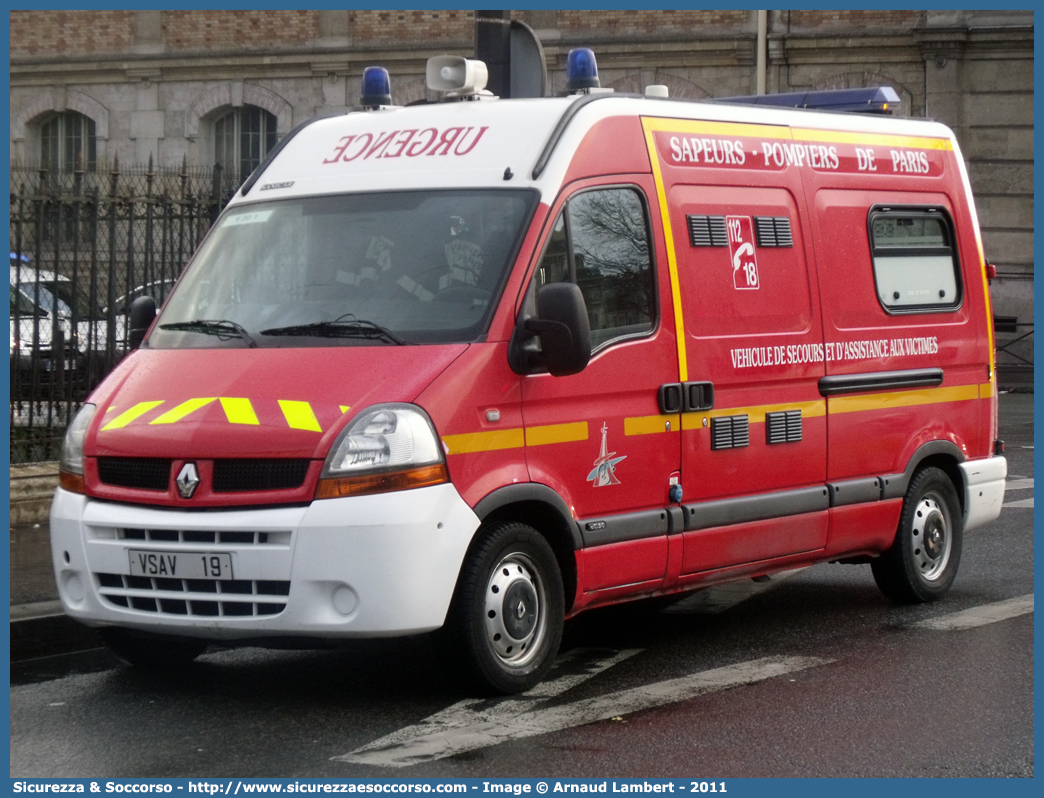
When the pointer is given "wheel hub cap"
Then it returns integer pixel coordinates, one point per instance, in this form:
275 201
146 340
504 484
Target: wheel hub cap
930 542
520 603
514 600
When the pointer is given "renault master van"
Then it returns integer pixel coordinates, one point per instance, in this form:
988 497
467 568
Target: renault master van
479 365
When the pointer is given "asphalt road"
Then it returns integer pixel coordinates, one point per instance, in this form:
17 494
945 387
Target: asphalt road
815 674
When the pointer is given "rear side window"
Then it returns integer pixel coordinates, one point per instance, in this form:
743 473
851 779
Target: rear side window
915 260
601 242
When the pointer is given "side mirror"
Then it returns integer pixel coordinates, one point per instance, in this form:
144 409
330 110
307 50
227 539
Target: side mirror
142 314
564 330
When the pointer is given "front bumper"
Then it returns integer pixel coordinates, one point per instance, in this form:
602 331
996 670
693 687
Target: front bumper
362 566
983 490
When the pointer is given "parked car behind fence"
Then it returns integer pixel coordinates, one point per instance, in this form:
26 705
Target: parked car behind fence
84 245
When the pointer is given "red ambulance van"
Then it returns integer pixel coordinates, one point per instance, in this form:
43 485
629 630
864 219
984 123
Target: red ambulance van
479 365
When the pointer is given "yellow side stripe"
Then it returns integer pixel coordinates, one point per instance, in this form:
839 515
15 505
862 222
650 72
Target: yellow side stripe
556 433
238 410
485 441
127 416
182 410
893 399
299 415
755 414
668 238
986 390
345 408
875 139
648 425
663 125
780 131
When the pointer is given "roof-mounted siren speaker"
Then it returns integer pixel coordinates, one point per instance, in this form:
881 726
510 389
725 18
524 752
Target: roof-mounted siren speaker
457 76
376 87
581 71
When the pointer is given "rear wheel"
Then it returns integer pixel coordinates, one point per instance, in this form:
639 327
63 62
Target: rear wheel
508 612
922 562
145 650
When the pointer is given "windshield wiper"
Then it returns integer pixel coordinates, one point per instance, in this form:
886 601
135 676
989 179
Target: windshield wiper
225 330
341 328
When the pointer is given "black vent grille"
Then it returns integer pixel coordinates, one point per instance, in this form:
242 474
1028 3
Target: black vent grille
730 432
783 427
707 231
145 473
206 597
231 476
773 231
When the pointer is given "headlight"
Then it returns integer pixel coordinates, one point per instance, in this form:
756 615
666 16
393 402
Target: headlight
387 447
70 469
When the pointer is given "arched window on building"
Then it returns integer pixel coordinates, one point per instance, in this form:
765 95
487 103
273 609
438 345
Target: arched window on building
242 138
67 142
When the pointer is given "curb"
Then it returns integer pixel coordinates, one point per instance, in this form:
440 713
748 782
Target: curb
32 488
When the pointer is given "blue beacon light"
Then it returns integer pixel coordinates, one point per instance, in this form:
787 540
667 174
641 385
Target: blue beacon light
581 70
376 87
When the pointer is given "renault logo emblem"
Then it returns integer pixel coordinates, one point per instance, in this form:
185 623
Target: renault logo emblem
187 481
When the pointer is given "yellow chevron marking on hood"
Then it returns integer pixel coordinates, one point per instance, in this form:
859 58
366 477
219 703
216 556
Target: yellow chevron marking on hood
182 410
126 417
238 410
299 415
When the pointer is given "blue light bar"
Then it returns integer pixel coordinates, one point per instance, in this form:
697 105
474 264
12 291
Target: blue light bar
581 70
376 87
875 100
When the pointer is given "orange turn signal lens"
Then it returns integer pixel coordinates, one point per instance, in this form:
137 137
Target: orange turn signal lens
70 481
382 483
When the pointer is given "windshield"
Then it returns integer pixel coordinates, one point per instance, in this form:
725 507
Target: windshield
423 266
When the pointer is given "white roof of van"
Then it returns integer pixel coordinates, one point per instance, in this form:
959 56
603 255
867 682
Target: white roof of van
474 144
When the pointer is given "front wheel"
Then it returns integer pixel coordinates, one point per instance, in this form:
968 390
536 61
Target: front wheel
922 562
508 612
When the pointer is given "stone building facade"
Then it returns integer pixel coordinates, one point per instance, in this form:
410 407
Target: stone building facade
169 84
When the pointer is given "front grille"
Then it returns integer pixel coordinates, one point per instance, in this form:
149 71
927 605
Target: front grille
196 597
145 473
231 476
247 538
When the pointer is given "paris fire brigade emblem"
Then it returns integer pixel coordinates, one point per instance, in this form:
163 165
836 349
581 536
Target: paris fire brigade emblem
604 471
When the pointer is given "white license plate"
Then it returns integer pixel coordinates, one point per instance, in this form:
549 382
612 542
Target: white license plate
180 564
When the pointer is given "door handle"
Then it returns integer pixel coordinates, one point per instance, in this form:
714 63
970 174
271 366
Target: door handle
685 397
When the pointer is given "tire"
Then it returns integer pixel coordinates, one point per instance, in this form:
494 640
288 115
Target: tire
508 611
154 652
922 562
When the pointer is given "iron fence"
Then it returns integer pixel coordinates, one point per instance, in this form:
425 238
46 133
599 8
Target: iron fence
84 245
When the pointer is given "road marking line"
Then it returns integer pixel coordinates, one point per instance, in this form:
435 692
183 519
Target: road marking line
1020 503
482 733
714 600
579 668
979 616
1018 483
